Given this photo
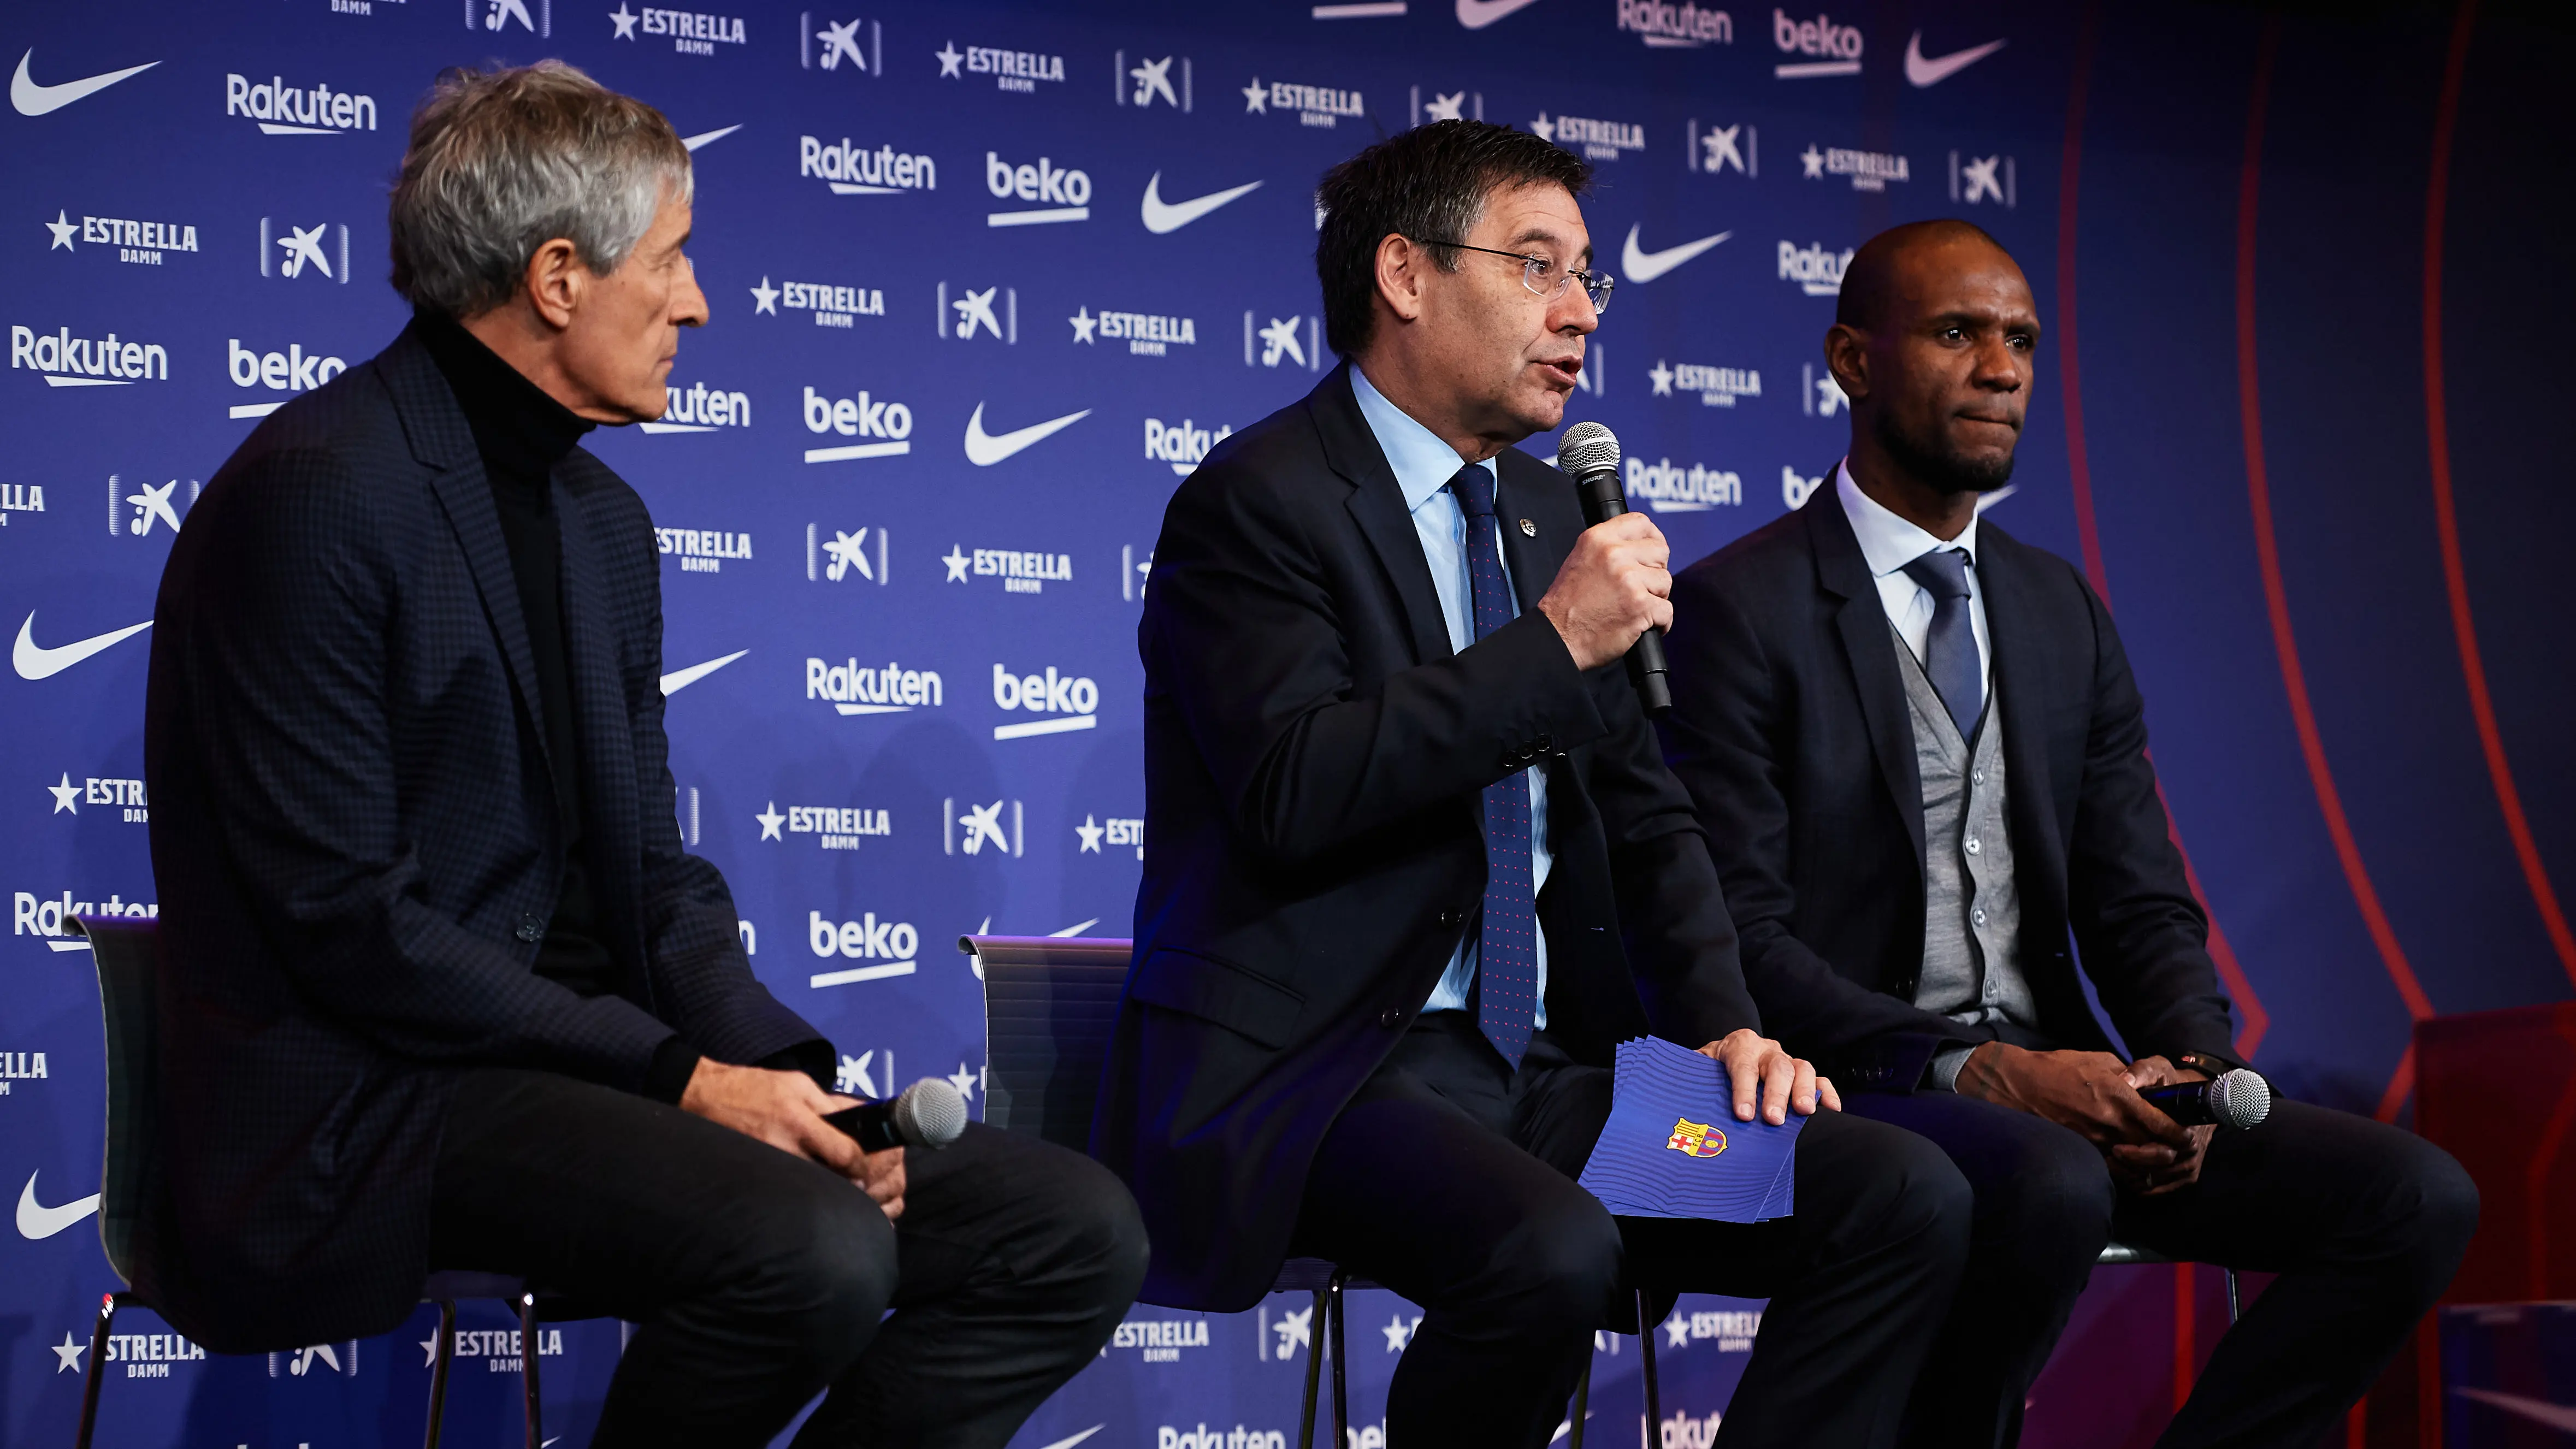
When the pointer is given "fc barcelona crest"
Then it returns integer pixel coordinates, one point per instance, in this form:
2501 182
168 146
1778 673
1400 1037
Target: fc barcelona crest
1696 1139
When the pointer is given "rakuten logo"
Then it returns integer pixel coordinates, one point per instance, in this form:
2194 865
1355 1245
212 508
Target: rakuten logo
284 110
1837 47
853 172
894 946
887 688
1075 701
294 370
1183 444
864 416
1067 193
1818 272
68 361
51 920
1204 1437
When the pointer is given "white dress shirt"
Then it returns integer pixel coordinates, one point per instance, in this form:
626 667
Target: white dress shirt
1888 543
1423 465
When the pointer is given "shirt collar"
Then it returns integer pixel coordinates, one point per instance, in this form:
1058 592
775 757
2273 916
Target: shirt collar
1888 542
1423 463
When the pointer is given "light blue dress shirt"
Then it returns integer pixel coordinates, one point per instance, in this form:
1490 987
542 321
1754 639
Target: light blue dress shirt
1423 466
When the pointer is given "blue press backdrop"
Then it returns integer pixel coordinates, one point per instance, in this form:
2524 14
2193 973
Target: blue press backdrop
2307 258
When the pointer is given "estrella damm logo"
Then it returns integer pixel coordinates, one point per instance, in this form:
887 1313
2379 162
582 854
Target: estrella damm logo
1696 1139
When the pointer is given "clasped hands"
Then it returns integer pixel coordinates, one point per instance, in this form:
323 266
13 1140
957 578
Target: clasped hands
2096 1095
785 1110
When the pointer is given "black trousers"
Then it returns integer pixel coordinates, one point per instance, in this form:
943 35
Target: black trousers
759 1278
2363 1222
1450 1179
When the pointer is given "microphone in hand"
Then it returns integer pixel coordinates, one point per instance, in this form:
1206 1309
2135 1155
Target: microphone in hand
1588 453
929 1114
2235 1099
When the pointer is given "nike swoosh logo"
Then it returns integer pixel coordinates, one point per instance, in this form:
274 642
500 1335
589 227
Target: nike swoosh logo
1639 265
35 1220
35 662
2539 1411
32 99
1477 14
1941 67
1076 1439
1162 216
986 449
703 137
680 679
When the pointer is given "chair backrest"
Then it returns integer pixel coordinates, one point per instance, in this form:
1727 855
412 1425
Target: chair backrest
127 951
1049 1003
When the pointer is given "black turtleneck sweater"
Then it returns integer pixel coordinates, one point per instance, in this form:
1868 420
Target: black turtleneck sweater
521 434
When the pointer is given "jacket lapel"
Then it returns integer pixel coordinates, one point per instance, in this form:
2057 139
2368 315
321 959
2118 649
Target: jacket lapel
1535 553
1377 505
442 441
600 714
2024 685
1862 622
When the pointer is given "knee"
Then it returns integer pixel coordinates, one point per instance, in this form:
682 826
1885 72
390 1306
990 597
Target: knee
2057 1200
1560 1271
1104 1234
2435 1210
1924 1205
821 1272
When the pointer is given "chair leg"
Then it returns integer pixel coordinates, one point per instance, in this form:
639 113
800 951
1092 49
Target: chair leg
1341 1388
2231 1295
528 1367
1315 1321
1582 1405
90 1379
439 1358
1654 1395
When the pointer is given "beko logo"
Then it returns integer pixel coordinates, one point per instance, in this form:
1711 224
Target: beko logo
1074 700
1664 25
894 945
1818 272
699 408
294 370
1718 387
1597 140
1011 70
1836 48
1667 487
68 361
1868 170
854 172
865 416
1184 444
703 550
284 110
1313 105
1063 194
1146 334
887 688
832 306
141 242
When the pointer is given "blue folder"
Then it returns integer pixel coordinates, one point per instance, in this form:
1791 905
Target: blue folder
1673 1149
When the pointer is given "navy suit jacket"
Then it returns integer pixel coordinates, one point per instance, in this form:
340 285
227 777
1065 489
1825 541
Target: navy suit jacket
1789 727
1315 757
356 847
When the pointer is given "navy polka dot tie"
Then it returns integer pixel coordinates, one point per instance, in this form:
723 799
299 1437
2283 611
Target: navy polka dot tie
1506 931
1951 660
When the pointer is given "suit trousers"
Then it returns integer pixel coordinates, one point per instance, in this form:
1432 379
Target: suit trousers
759 1279
1450 1178
2363 1222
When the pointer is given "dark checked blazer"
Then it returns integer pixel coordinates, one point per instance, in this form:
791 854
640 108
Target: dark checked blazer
1789 727
1315 758
355 840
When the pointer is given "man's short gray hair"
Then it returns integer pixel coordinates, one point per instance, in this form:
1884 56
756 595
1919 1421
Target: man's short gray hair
503 161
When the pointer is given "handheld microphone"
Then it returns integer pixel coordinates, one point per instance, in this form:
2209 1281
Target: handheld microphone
930 1114
2234 1099
1589 454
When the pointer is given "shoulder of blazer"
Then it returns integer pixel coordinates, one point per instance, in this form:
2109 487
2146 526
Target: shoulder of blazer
1759 572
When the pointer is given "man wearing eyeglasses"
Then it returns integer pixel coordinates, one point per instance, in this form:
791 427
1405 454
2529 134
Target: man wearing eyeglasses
1414 867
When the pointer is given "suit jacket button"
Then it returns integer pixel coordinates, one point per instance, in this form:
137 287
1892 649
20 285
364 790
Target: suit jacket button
531 930
1449 918
1391 1017
1545 744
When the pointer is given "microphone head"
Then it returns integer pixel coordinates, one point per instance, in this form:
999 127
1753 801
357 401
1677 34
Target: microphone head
1587 446
2239 1098
930 1113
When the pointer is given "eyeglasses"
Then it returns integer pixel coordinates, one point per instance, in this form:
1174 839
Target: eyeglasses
1545 277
